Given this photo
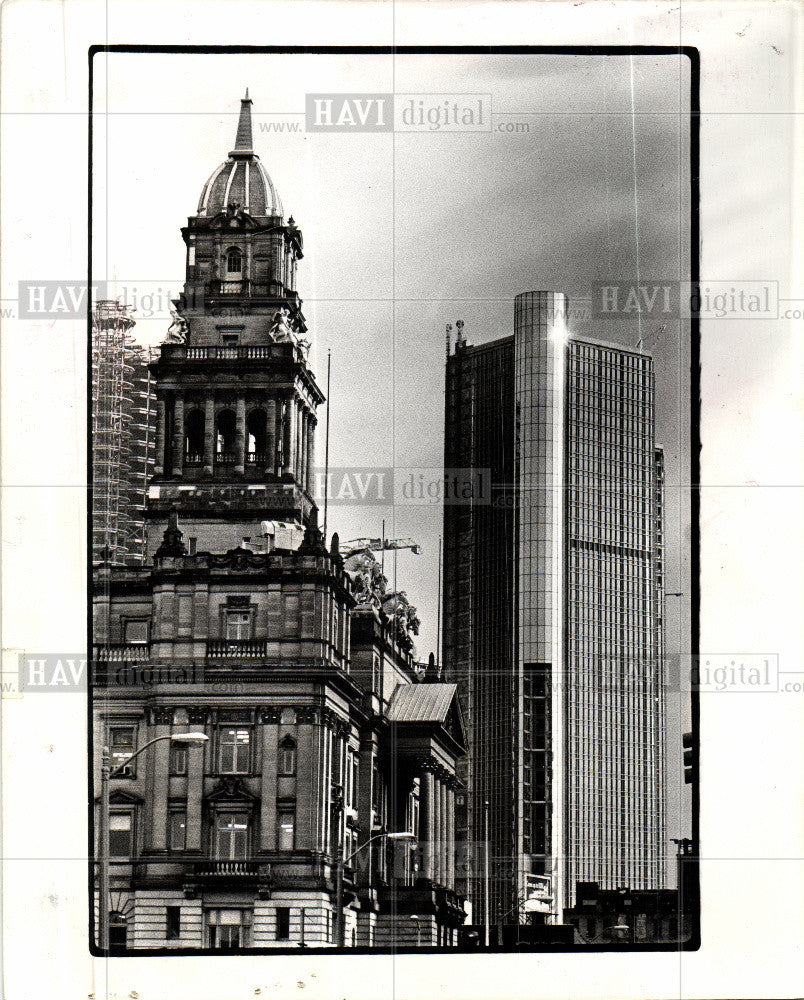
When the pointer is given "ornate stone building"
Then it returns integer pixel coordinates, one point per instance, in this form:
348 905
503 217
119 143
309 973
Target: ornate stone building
322 735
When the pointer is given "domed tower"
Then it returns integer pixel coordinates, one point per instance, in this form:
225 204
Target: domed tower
236 399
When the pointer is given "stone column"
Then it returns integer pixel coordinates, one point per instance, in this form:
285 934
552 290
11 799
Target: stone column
240 436
270 740
178 436
293 464
270 436
160 761
306 771
317 842
209 434
444 834
438 860
159 458
303 448
310 452
450 838
426 811
290 436
195 780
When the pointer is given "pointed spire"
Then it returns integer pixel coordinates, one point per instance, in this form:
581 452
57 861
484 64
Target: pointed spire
244 143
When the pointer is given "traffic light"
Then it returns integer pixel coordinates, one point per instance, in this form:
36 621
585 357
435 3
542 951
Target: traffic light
689 758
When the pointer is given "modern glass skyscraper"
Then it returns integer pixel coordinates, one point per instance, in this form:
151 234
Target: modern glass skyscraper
553 610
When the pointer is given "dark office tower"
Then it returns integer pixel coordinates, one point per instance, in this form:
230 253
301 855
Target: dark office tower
478 609
553 608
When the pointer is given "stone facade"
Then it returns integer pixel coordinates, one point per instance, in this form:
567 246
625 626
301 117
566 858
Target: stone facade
252 637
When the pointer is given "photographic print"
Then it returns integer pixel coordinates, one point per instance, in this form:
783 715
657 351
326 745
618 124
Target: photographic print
393 542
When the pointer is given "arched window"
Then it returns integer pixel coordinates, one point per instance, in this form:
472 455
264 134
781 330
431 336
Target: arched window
234 262
287 756
225 446
118 929
256 430
194 437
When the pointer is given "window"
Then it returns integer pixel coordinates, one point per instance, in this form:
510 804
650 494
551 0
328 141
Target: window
238 625
122 744
282 923
234 261
118 929
178 758
136 631
230 339
191 545
229 930
287 830
257 434
287 756
173 923
231 836
225 441
234 751
194 428
178 830
120 835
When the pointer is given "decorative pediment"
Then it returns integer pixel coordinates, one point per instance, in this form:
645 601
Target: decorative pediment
119 797
454 724
230 788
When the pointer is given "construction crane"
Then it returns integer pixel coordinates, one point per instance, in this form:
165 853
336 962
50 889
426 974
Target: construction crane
379 545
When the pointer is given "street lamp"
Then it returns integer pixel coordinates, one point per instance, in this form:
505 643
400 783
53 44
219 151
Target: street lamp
107 772
339 866
415 918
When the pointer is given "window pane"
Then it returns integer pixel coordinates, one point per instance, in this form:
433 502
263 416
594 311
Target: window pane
238 625
235 745
229 929
178 826
173 923
120 835
178 759
287 824
118 929
282 923
136 631
232 836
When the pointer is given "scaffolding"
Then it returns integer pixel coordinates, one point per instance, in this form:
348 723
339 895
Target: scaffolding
123 418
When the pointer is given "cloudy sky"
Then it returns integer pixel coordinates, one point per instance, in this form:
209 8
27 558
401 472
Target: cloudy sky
407 232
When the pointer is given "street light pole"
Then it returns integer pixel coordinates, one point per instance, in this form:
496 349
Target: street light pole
340 936
103 846
108 772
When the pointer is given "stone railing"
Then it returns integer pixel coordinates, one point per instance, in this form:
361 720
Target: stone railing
237 649
122 652
226 868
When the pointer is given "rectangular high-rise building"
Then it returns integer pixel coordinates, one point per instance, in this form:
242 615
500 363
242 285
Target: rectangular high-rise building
553 611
